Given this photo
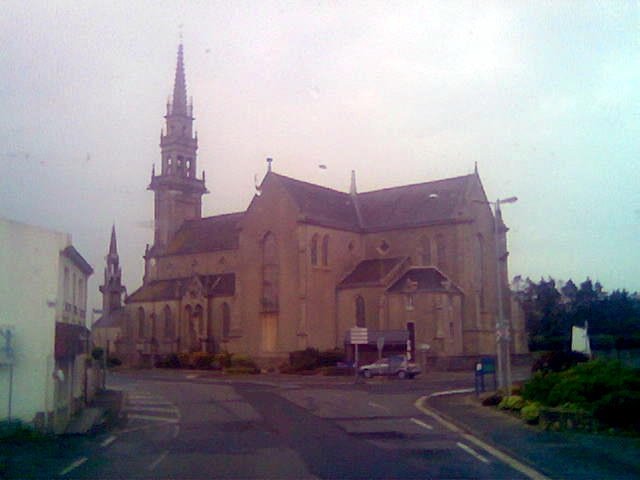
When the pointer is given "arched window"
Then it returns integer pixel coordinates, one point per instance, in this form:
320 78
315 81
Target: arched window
441 250
360 313
314 249
226 320
425 251
169 331
270 273
141 331
325 250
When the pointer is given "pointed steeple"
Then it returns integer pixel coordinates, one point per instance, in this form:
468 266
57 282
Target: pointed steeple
112 289
113 246
179 105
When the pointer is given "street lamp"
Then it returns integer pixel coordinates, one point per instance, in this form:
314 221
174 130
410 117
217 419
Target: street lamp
502 327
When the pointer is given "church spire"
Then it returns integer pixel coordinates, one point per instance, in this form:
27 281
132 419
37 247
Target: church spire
113 245
179 105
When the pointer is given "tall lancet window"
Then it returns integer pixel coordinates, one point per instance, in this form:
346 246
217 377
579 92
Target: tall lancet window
425 251
270 273
325 250
314 249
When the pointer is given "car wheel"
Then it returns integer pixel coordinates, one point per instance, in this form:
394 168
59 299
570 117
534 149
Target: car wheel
402 374
367 374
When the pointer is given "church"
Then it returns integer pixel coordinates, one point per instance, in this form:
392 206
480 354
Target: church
418 265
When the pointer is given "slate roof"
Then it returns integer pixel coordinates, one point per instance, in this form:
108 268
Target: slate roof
371 272
412 205
421 279
206 235
389 208
173 289
112 319
321 205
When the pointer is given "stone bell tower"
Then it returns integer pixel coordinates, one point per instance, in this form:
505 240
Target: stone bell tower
177 190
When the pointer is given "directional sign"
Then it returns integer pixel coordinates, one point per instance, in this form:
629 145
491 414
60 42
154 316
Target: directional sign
359 336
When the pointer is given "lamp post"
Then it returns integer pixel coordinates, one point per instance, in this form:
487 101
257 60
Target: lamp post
502 327
503 334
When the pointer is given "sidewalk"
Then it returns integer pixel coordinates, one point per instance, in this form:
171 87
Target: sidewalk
566 455
103 413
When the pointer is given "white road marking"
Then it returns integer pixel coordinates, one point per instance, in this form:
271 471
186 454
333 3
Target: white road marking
509 460
472 452
451 392
422 424
377 405
73 466
157 461
108 441
153 418
191 376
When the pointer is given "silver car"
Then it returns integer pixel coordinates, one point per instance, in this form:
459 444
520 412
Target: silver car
397 366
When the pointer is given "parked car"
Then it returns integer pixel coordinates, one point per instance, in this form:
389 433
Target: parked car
397 366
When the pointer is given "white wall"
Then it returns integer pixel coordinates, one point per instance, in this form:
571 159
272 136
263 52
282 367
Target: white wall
30 294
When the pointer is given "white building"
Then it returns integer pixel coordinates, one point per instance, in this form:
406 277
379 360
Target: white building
45 374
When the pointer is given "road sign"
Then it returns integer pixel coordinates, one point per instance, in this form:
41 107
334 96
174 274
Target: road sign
359 336
7 335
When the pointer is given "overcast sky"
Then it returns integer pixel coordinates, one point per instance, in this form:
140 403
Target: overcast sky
544 96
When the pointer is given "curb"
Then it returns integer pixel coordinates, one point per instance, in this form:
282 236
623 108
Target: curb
519 464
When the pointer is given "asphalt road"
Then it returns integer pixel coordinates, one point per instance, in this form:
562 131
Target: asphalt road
187 425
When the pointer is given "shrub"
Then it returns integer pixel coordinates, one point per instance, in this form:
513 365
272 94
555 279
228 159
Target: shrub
304 359
97 353
619 409
202 360
168 361
17 432
114 362
530 413
330 358
513 402
185 360
243 361
223 359
492 400
558 361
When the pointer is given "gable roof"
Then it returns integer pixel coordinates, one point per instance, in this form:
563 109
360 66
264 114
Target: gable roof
222 285
372 272
424 279
412 205
321 205
207 234
389 208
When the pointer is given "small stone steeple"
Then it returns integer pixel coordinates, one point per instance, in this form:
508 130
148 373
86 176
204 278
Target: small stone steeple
177 189
112 289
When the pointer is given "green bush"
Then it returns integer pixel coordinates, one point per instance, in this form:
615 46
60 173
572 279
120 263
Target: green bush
243 361
168 361
558 361
17 432
202 360
607 389
223 359
530 413
114 362
307 359
513 402
330 358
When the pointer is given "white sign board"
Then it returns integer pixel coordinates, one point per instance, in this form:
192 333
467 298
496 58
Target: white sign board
7 344
359 336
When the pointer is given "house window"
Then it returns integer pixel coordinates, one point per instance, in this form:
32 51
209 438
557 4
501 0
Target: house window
314 250
360 313
409 302
270 273
325 250
152 325
141 331
226 320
